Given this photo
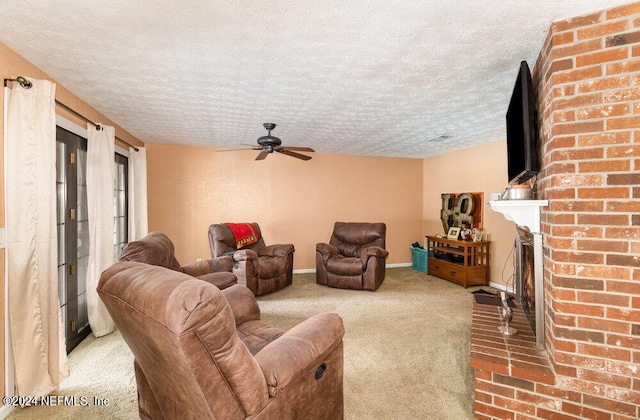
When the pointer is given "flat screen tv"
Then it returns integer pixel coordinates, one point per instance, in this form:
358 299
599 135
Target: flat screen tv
522 133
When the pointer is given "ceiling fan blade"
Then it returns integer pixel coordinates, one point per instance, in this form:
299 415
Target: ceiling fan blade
235 150
262 155
294 154
299 149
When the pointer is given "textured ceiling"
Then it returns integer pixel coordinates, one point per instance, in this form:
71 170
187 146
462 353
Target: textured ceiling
363 77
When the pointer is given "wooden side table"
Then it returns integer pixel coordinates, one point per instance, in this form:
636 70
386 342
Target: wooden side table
462 262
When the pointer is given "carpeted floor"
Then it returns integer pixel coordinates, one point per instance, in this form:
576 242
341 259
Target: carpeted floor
406 352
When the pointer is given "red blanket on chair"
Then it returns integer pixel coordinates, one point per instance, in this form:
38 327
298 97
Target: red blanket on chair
244 233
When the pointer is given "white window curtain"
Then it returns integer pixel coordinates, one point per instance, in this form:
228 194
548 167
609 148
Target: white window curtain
100 176
37 336
138 221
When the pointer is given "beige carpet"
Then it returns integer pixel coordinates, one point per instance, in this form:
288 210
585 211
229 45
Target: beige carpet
406 351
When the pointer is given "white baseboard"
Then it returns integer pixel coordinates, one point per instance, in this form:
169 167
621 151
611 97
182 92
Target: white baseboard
5 410
313 270
501 287
396 265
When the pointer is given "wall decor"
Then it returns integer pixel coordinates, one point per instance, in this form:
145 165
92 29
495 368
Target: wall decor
462 210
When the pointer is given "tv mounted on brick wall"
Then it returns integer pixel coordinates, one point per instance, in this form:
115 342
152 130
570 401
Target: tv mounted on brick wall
522 133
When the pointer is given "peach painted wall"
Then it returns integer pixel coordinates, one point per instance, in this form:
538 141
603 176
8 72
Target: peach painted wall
294 201
477 169
12 65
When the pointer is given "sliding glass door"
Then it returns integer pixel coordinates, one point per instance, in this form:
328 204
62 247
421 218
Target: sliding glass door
120 203
73 228
73 235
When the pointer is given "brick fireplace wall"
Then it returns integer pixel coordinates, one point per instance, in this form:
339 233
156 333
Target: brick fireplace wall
588 85
588 81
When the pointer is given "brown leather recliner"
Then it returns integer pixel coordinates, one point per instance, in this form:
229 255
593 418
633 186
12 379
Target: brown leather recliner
354 258
263 269
157 249
202 353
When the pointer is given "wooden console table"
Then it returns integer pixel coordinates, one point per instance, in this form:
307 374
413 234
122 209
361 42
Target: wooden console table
462 262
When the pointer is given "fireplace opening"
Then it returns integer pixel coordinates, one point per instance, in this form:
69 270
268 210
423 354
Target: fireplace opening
529 273
530 281
525 275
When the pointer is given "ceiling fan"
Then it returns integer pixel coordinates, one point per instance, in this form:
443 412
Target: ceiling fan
269 144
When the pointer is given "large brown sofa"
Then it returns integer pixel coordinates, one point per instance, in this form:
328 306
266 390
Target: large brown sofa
354 258
202 353
263 269
157 249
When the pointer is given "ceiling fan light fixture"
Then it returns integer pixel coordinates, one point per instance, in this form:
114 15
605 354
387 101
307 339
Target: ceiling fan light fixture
269 144
269 141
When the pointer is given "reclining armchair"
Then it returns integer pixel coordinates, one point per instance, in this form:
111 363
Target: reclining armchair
157 249
203 353
354 258
263 269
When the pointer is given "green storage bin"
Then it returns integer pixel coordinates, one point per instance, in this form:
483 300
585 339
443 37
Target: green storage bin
419 259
